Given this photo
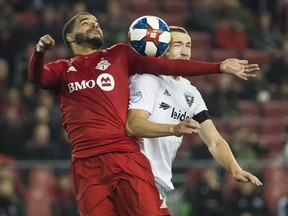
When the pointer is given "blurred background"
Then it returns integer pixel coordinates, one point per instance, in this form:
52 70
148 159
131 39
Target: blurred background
251 115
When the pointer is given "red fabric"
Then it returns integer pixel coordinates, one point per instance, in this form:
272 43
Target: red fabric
93 93
116 184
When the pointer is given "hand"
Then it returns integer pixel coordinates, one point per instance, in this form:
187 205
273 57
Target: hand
239 68
244 176
187 126
45 43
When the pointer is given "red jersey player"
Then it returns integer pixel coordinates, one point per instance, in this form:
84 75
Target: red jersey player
111 176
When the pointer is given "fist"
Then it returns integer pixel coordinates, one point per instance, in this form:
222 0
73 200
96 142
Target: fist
45 43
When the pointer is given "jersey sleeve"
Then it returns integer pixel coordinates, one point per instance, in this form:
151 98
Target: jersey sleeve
143 92
47 76
163 66
200 103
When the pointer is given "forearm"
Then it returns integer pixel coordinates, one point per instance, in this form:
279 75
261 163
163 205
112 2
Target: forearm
35 67
140 127
223 155
174 66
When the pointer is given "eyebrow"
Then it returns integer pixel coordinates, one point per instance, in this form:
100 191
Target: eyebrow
180 42
83 20
86 19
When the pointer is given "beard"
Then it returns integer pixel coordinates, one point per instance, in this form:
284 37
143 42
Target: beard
95 41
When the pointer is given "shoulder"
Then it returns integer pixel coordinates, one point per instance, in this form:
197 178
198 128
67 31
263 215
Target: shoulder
148 79
120 46
145 82
123 49
59 64
186 82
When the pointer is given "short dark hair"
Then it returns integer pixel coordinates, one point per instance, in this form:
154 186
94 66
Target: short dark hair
178 29
69 26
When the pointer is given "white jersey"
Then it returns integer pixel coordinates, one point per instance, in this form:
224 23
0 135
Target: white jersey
168 101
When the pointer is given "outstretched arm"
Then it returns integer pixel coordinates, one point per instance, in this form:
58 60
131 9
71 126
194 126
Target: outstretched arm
147 64
222 153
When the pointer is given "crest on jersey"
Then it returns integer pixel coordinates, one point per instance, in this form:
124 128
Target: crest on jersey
136 96
106 82
189 98
103 65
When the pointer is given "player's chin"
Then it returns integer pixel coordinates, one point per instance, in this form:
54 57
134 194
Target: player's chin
185 58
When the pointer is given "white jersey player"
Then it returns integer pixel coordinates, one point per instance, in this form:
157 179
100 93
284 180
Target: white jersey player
169 101
163 108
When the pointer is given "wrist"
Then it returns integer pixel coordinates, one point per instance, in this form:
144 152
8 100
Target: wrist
218 68
39 50
235 170
171 129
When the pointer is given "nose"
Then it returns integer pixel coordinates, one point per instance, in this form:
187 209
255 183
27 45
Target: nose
93 24
185 52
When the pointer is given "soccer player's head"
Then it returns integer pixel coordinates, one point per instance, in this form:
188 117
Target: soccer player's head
180 44
82 29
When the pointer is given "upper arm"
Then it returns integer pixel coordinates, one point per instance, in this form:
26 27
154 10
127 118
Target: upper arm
52 74
143 92
136 118
134 114
46 76
200 104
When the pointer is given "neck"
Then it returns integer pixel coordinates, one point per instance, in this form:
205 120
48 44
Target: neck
85 50
176 77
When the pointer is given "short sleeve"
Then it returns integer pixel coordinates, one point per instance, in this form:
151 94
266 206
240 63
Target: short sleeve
143 91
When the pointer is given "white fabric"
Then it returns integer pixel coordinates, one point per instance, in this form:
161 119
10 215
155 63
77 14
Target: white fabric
169 101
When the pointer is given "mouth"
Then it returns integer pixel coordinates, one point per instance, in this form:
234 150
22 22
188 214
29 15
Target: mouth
93 31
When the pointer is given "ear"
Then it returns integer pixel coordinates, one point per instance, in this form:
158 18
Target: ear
70 37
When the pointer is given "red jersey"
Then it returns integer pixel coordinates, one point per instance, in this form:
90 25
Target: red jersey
93 93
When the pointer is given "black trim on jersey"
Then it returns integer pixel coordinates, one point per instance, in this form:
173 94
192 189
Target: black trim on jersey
202 116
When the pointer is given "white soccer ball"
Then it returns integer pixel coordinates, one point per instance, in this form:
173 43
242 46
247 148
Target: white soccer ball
149 36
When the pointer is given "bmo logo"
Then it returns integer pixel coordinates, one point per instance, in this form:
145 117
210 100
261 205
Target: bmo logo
106 82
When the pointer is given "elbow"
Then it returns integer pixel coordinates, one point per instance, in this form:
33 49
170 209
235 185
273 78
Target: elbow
129 130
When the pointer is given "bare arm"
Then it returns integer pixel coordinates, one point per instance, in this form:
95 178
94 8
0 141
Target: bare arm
138 125
222 153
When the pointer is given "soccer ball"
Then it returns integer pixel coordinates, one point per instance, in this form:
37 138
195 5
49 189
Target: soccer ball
149 36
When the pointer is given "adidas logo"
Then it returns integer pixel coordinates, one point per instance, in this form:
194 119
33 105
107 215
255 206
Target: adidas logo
166 93
71 68
164 106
